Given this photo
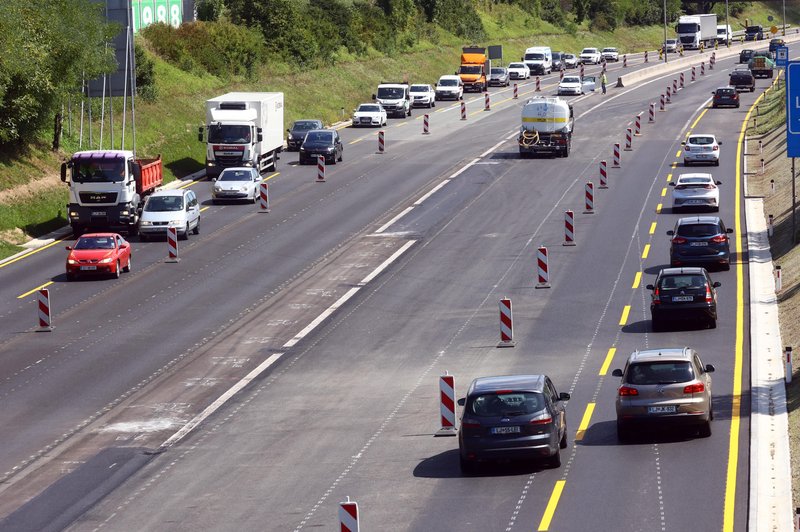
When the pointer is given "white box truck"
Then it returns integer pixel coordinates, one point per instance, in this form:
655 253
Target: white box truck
695 29
243 129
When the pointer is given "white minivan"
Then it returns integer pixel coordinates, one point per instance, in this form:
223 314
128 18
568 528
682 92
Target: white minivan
539 60
176 208
724 34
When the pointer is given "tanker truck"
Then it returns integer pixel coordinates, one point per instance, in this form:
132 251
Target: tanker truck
547 125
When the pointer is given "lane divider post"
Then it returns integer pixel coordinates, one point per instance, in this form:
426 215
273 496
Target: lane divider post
694 75
348 516
381 142
263 196
652 117
778 279
638 124
425 124
616 156
645 57
464 108
675 86
702 68
663 103
561 76
486 104
516 93
625 61
538 84
172 245
628 139
321 166
447 406
569 228
682 80
43 306
506 324
603 174
669 94
788 357
589 202
542 267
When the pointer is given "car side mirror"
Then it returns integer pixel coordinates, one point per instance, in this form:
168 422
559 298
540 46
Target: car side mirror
718 182
462 401
68 248
288 130
650 287
710 368
683 143
672 183
188 208
670 232
64 172
616 373
564 396
716 284
719 143
729 230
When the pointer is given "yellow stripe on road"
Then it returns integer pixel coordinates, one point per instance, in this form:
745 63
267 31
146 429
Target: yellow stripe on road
658 208
37 250
357 140
678 154
698 120
669 176
653 228
607 361
26 294
587 416
625 312
663 192
544 524
205 208
674 165
276 174
636 280
646 251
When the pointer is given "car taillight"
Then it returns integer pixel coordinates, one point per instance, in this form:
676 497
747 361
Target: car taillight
716 148
709 299
678 240
627 391
470 424
687 148
694 388
709 187
541 421
656 296
719 239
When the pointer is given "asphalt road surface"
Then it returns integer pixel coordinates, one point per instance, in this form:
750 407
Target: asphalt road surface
344 304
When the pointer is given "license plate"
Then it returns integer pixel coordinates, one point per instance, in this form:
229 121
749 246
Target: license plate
698 244
98 213
678 299
661 409
505 430
695 202
88 268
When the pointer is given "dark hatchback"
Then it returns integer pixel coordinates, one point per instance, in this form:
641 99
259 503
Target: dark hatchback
512 417
325 142
742 80
700 240
297 133
725 96
558 61
745 55
683 294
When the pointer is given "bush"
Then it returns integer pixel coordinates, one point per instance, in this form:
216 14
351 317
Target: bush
145 75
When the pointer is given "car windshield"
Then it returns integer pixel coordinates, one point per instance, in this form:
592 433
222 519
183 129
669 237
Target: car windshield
753 29
659 373
164 203
609 49
390 93
421 88
557 55
368 108
681 282
448 83
701 141
305 125
589 51
534 57
235 175
320 136
98 170
721 31
571 79
506 404
95 242
229 134
470 69
499 71
698 230
516 65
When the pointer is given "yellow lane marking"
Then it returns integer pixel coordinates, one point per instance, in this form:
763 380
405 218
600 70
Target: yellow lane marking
587 416
276 174
26 294
37 250
736 402
669 176
658 208
204 208
357 140
646 251
663 192
678 154
674 165
636 280
402 124
607 361
698 120
653 228
544 524
625 312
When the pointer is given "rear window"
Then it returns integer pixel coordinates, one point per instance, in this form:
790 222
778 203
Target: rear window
506 404
698 230
700 141
659 372
726 92
741 76
681 282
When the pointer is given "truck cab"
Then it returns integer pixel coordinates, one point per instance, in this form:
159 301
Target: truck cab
475 69
395 98
754 32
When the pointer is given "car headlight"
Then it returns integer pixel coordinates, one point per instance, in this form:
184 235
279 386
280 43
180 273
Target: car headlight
217 188
72 261
243 188
175 222
302 148
329 148
124 213
106 260
145 222
73 214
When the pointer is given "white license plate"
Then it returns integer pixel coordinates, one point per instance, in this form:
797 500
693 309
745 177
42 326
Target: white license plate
505 430
98 213
695 202
661 409
698 244
678 299
88 268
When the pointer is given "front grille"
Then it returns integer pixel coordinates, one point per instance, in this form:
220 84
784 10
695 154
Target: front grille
98 197
228 160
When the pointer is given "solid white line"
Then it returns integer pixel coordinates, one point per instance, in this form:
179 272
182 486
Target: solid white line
221 400
431 192
327 312
472 162
388 224
385 264
490 150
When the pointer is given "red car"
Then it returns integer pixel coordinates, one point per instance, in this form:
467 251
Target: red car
98 253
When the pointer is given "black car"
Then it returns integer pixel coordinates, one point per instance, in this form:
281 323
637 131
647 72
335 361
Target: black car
774 44
700 240
558 62
298 132
325 142
725 96
512 417
745 55
686 294
742 80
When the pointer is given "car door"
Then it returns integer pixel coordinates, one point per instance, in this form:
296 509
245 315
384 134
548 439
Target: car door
558 406
255 178
193 208
589 83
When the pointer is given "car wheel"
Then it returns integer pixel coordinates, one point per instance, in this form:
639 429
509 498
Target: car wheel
752 89
554 462
563 443
467 466
726 267
716 163
705 429
117 271
185 234
685 162
623 432
196 229
127 268
712 323
341 156
657 325
143 237
133 230
333 159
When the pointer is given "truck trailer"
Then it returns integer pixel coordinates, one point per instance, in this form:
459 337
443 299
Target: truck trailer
694 30
107 189
547 125
243 129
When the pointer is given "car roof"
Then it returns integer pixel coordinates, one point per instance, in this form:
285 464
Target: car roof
303 120
533 383
689 220
238 169
448 76
694 175
169 192
669 353
695 270
322 131
95 235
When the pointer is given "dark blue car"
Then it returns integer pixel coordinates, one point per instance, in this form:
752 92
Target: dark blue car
701 241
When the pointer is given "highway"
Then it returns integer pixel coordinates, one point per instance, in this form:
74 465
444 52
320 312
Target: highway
345 303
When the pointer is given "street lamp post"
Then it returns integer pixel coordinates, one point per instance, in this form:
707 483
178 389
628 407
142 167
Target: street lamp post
664 43
727 26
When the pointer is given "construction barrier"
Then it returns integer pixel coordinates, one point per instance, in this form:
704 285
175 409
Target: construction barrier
486 104
43 305
321 165
569 228
682 80
263 195
426 124
542 268
616 155
348 516
506 324
589 198
172 245
669 94
703 68
645 57
447 405
694 74
628 139
625 61
603 175
675 86
464 106
663 103
652 117
516 94
561 76
381 142
538 84
638 124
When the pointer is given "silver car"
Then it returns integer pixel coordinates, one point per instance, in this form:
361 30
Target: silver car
499 76
695 190
512 416
176 208
701 148
664 386
236 184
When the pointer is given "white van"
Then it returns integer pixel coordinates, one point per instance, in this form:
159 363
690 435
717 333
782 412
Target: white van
724 34
539 60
